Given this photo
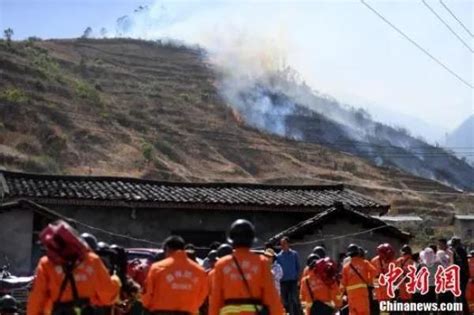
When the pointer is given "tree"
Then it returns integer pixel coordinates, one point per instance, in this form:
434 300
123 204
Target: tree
8 35
87 32
103 32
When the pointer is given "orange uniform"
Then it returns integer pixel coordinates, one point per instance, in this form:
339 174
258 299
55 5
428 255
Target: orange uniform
306 271
175 284
356 288
229 294
381 267
470 286
320 291
403 262
91 277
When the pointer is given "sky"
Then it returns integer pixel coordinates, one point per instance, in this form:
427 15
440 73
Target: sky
339 48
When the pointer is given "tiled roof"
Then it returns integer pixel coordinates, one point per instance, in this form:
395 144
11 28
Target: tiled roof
338 211
14 185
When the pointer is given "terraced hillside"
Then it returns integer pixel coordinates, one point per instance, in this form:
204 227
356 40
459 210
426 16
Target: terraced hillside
145 109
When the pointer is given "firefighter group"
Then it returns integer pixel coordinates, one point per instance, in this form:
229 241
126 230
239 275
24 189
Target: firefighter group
71 279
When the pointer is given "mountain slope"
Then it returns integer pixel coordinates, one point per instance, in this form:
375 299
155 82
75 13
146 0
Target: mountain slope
280 105
135 108
462 139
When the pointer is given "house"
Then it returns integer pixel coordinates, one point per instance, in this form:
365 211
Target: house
141 213
464 228
339 226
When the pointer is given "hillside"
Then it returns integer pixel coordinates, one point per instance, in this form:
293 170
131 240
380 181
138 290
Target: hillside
278 104
462 139
135 108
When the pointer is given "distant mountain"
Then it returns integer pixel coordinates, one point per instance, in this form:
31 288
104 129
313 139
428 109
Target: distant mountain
461 140
418 127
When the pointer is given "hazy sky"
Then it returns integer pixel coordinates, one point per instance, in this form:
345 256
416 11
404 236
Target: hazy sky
339 47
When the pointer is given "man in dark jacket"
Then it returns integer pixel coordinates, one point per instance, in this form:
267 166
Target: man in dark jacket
460 259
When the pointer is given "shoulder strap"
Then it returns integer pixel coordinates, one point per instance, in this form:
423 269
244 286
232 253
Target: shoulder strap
309 289
358 273
68 277
247 286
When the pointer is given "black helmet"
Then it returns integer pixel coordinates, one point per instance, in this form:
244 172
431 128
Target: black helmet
362 252
311 259
224 250
212 255
320 251
455 241
91 240
242 233
8 304
353 250
406 250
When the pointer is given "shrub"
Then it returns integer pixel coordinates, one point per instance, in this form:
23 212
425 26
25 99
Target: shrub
86 91
147 151
14 95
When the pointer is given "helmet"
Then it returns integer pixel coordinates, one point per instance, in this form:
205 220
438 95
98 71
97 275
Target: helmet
212 255
353 250
320 251
242 233
311 259
8 304
386 252
326 268
224 250
471 253
406 250
455 241
138 270
91 240
63 244
103 247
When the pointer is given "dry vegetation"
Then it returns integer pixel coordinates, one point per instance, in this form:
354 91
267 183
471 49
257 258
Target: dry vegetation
135 108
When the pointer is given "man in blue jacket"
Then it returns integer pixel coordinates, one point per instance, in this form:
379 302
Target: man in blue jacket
289 261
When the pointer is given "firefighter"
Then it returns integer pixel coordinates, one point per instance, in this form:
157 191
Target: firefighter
319 290
470 285
309 261
8 305
242 282
357 277
403 262
176 284
69 276
91 240
385 256
320 251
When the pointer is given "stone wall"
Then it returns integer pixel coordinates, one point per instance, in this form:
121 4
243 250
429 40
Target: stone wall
16 240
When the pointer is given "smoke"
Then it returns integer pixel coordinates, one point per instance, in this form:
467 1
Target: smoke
255 49
246 43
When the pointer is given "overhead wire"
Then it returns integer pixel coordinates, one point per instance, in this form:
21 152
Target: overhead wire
456 18
413 42
447 25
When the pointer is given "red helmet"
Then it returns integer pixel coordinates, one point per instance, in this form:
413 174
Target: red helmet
386 252
138 271
326 269
63 244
